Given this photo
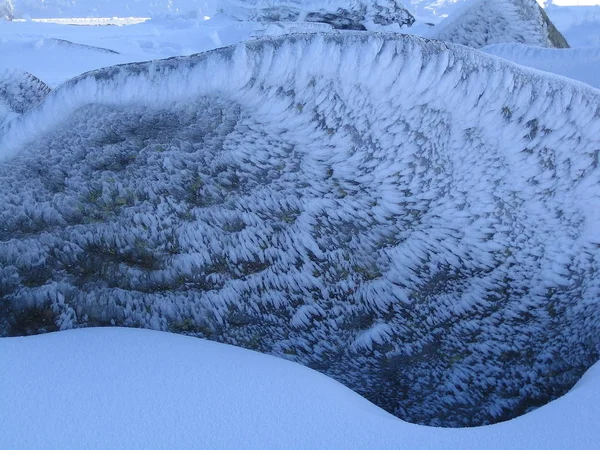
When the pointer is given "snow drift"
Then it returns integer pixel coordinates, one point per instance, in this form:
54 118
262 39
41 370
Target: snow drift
480 22
415 219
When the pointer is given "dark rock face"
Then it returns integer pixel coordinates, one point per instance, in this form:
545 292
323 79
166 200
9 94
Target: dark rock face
342 15
502 21
555 38
414 219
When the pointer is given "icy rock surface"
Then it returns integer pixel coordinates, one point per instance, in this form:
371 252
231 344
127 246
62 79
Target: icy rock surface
481 22
19 92
340 14
6 10
415 219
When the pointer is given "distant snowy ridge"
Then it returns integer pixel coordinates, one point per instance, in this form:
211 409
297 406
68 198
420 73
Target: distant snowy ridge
19 92
582 64
482 22
415 219
341 14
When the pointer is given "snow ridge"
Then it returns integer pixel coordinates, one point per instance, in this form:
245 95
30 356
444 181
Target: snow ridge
480 22
413 218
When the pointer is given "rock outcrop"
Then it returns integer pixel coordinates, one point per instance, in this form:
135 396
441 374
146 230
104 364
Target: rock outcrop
481 22
415 219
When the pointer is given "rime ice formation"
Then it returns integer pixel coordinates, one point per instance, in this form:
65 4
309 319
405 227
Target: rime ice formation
19 92
481 22
340 14
415 219
7 10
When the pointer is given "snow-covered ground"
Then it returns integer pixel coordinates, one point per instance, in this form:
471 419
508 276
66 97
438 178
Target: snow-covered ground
138 389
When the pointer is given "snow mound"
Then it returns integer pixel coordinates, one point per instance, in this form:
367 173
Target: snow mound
158 390
480 22
582 64
340 14
415 219
19 92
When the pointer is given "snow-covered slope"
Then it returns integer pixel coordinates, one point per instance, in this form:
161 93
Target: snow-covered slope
19 92
137 389
415 219
581 64
481 22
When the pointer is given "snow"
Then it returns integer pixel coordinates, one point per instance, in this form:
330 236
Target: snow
138 389
110 8
579 24
582 64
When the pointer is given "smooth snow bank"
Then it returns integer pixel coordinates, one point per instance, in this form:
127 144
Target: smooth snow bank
413 218
136 389
582 64
481 22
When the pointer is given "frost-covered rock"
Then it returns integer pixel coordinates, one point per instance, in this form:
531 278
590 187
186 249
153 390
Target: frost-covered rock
19 92
482 22
7 10
415 219
340 14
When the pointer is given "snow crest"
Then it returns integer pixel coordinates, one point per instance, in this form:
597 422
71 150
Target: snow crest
415 219
478 23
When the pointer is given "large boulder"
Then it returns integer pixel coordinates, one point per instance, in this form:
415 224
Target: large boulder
415 219
481 22
340 14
